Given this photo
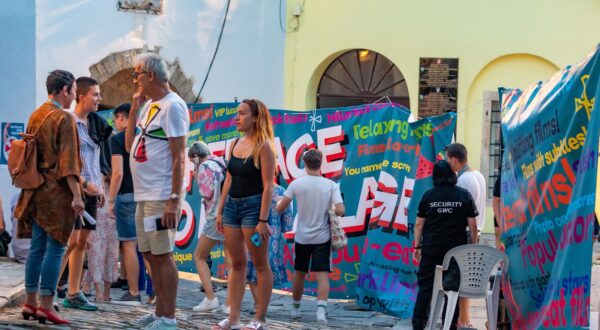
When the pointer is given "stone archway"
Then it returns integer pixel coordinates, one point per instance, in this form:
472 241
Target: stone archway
114 76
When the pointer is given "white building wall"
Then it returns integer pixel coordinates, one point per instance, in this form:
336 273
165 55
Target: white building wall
17 75
74 34
42 35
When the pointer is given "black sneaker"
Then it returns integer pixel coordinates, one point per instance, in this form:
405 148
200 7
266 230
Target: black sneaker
128 299
62 293
118 284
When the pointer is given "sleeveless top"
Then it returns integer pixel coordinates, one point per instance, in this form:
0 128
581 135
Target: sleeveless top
246 179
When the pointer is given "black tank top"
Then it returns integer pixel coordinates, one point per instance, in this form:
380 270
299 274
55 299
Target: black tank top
246 179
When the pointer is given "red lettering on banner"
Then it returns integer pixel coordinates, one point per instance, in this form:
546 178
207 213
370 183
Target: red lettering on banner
555 314
579 307
556 191
539 253
576 231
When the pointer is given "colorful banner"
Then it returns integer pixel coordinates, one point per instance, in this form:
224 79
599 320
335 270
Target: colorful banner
10 132
387 280
369 150
548 192
362 146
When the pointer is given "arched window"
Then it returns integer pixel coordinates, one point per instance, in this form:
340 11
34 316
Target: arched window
358 77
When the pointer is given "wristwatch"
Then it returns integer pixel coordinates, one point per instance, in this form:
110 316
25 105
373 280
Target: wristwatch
174 196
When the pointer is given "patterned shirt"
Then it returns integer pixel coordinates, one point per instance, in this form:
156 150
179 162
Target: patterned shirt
210 176
90 155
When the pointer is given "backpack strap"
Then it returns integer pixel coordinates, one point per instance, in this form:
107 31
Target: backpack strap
223 168
34 134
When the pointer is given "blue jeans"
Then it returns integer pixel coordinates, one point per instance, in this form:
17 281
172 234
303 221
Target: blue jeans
125 213
242 212
45 257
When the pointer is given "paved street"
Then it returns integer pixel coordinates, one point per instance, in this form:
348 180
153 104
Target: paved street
113 316
341 313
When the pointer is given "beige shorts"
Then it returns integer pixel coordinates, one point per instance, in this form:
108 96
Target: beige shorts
155 242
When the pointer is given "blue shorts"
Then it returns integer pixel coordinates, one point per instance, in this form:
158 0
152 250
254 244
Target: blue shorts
242 212
125 212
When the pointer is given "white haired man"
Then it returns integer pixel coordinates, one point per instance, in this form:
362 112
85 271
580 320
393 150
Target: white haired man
155 137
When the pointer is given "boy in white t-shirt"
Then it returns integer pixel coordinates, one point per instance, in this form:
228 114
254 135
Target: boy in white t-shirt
314 196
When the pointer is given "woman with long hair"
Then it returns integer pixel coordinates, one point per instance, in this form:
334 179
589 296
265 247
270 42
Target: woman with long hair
243 215
444 212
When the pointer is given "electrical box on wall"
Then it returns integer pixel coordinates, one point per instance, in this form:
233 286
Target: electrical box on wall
297 9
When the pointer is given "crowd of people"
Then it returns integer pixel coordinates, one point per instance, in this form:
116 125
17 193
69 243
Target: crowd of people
112 197
109 197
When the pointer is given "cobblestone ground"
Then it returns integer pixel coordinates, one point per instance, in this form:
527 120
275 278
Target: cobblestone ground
113 316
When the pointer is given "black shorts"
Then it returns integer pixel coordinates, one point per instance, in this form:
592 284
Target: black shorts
91 207
318 256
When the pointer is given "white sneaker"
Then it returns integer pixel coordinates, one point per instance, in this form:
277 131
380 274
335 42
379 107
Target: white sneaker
206 305
321 315
144 320
296 313
162 325
225 309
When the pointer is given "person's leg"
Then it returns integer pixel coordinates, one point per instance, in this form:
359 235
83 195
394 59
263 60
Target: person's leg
234 239
264 276
166 281
50 271
464 317
106 292
33 266
130 260
425 277
298 285
205 245
254 291
76 261
322 285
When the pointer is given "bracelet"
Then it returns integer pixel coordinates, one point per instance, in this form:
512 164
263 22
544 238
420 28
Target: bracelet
263 220
417 247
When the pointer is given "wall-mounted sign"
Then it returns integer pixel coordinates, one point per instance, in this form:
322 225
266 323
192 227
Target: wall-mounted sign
438 82
10 132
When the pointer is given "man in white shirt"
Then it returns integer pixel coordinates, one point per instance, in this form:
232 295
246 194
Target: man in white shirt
155 137
472 180
314 196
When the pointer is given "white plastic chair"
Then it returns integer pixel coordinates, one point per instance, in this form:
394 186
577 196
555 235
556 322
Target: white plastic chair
476 264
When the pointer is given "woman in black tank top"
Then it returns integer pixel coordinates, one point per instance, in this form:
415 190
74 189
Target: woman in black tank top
245 207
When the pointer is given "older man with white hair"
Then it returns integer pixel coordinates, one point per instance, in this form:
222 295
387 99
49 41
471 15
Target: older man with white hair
155 137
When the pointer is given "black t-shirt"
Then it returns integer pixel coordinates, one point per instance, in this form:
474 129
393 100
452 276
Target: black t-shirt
497 194
446 210
117 146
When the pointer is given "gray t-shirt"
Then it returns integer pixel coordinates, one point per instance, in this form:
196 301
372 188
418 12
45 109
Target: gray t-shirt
314 197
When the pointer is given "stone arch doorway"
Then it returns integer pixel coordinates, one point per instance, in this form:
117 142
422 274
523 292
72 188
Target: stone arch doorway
114 76
361 76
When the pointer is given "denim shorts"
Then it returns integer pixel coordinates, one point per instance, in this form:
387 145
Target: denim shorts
210 230
242 212
125 212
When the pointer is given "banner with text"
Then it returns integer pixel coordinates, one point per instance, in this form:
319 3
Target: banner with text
548 192
387 280
364 148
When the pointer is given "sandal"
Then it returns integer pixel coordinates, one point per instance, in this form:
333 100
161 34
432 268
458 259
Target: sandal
226 325
255 325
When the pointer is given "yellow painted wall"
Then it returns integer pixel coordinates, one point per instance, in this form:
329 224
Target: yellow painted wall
509 43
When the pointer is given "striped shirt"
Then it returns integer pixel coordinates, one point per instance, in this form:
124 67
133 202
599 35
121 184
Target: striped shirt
90 155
